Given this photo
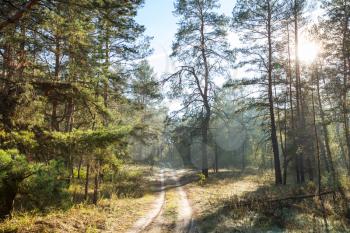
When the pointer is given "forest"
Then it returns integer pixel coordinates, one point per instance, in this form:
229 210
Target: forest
248 129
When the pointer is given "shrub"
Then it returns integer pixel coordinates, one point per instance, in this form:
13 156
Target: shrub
14 168
202 179
47 187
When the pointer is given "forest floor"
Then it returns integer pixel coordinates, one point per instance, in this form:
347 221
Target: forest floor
215 208
112 214
167 200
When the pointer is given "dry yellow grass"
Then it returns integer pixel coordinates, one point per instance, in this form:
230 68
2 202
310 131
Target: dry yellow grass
110 215
207 199
222 186
212 213
114 215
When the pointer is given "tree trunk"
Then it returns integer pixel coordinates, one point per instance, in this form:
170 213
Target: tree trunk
107 65
285 157
345 87
54 120
281 139
329 159
204 93
79 166
243 157
87 181
277 166
293 123
205 127
7 198
69 115
22 54
97 181
341 145
317 145
300 115
216 158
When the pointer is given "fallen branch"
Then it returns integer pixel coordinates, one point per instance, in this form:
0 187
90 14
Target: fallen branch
250 202
302 196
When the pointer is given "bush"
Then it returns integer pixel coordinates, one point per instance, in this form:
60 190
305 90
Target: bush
130 184
202 179
14 168
48 187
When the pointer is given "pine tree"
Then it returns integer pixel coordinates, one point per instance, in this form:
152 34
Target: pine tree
260 23
145 87
202 52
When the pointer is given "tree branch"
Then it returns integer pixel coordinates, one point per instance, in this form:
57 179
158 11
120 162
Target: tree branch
17 16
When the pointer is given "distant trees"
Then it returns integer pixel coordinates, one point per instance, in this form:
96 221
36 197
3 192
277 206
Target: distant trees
305 101
202 51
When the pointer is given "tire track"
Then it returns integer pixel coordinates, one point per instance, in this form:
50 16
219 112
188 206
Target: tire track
154 221
184 219
145 221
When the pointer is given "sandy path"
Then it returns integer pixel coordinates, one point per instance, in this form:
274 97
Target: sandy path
145 221
184 218
154 221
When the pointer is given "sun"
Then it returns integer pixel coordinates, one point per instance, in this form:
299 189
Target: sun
308 51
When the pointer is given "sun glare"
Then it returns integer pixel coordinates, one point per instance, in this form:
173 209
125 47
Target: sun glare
308 51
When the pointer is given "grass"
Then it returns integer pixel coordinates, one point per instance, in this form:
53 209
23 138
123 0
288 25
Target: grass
121 204
207 201
170 210
215 210
115 215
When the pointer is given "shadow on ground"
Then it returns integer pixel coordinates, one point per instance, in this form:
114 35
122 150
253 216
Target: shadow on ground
260 215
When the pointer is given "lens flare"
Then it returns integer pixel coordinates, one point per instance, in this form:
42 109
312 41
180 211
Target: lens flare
308 51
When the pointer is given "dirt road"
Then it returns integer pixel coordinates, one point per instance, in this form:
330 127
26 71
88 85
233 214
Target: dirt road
171 196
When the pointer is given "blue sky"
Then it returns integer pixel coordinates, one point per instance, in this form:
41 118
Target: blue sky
160 23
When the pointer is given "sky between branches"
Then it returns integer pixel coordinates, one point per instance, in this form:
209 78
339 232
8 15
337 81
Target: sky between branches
157 16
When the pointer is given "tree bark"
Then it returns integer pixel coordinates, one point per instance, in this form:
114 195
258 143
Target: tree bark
277 166
216 158
87 181
79 166
106 81
206 104
69 115
300 117
97 182
329 162
7 198
284 174
243 157
205 127
345 83
317 146
293 123
54 120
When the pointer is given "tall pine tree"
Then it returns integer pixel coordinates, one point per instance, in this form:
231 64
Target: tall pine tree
202 52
